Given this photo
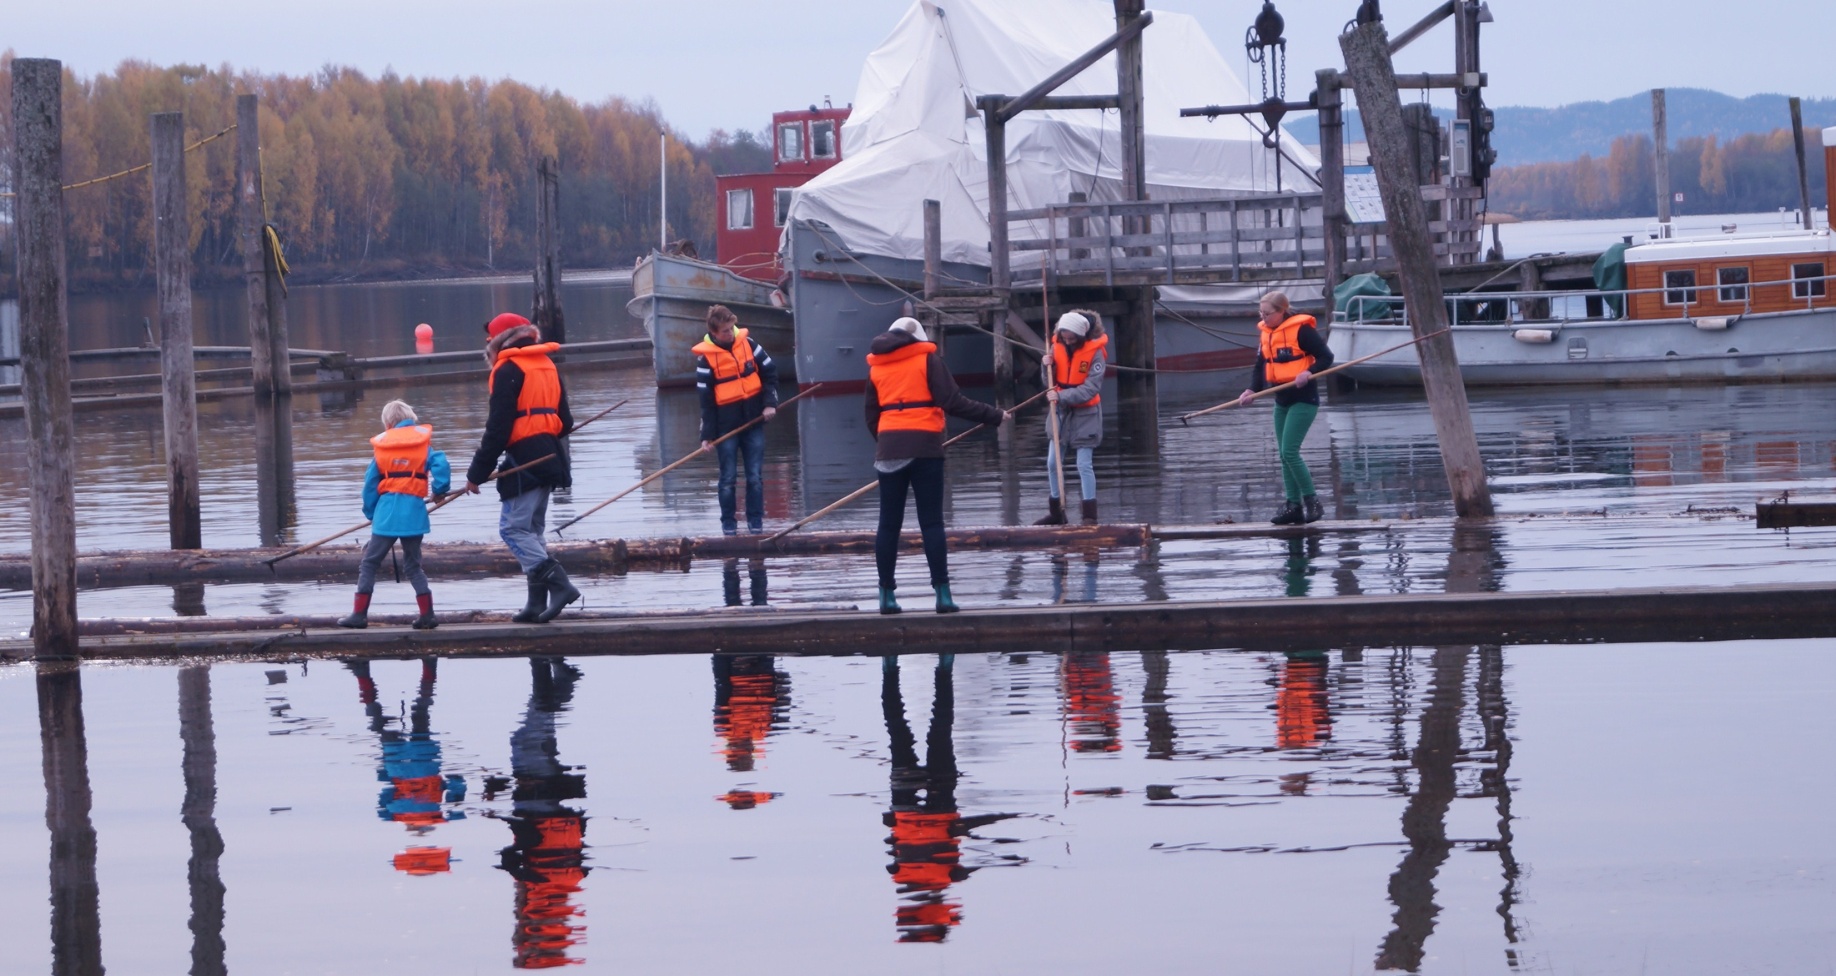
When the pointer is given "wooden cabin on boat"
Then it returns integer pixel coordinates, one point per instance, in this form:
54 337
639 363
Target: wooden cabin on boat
754 206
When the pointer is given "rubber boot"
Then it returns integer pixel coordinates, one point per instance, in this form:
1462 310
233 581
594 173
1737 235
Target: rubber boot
1290 514
538 599
944 603
426 620
360 613
561 592
1090 515
1055 515
1311 509
888 604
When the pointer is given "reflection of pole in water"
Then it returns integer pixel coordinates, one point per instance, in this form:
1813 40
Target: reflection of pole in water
1424 820
1154 698
1494 717
277 509
751 697
547 855
76 920
188 599
199 815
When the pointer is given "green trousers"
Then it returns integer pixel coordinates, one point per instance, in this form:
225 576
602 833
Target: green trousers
1291 423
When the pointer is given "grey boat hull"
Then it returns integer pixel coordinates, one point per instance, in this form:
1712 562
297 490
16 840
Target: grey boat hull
671 298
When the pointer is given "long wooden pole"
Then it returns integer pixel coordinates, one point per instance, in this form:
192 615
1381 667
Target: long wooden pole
692 455
871 485
44 350
1797 145
436 506
1050 375
596 416
178 371
1660 140
1328 371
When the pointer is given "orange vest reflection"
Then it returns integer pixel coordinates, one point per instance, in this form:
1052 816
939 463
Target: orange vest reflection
417 795
547 855
751 698
1093 718
1303 718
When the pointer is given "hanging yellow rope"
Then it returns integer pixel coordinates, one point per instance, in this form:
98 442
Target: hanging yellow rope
271 241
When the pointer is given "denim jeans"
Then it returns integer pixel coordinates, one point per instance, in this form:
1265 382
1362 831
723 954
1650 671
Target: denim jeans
521 524
924 479
752 444
1086 471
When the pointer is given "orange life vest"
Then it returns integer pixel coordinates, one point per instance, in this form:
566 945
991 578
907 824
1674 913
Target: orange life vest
1284 339
401 456
538 407
903 382
736 373
1073 370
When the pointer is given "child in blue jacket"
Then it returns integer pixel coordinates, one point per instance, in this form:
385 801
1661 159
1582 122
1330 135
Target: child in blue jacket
395 493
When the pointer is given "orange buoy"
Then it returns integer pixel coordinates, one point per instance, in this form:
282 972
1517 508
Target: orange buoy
423 339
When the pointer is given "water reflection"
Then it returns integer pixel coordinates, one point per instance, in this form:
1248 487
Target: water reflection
1424 820
1086 573
1154 697
416 794
751 699
76 920
199 814
1092 708
730 580
547 853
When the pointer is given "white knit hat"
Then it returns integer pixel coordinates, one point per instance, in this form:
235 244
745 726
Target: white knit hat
1073 323
911 325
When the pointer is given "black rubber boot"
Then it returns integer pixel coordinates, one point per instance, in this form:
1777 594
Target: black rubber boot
1055 515
1290 514
561 592
1090 515
538 599
1311 509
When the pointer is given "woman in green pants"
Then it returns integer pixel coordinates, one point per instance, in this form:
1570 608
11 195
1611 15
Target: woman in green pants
1291 351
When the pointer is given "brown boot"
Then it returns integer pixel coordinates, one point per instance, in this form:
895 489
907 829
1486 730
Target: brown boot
1090 515
1055 515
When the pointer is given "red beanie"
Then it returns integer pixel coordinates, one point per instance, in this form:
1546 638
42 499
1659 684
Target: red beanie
503 323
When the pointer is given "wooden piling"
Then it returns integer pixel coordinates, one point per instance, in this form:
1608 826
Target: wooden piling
44 350
933 267
547 315
1367 57
1332 175
999 279
1797 145
1660 140
76 912
178 383
261 277
199 815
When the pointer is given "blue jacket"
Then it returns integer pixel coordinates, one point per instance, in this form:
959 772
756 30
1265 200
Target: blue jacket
397 514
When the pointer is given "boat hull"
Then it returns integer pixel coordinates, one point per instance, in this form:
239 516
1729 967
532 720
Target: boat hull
1757 348
671 298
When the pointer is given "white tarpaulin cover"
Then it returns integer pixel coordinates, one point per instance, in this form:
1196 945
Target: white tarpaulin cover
915 133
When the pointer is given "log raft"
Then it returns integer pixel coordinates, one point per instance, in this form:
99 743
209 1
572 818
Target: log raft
1714 613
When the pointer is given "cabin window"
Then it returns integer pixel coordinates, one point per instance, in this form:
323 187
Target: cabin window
780 209
1807 281
739 209
1733 285
822 139
790 142
1679 287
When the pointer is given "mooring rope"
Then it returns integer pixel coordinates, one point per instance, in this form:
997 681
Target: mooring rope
143 167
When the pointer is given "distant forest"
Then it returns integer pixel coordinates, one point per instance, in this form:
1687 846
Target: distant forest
377 177
1747 174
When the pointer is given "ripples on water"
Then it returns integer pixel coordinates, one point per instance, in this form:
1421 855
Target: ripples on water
1457 810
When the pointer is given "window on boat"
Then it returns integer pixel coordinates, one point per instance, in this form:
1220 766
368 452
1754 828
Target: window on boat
1679 287
780 208
822 139
790 142
1807 280
739 209
1733 282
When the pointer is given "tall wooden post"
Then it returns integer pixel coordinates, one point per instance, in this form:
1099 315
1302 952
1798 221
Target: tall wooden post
933 265
44 350
1135 332
1332 175
547 315
76 915
999 279
268 343
1367 57
1660 138
178 379
199 814
1797 144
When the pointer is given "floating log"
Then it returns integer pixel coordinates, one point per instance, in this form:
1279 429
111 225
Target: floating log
1786 514
1765 611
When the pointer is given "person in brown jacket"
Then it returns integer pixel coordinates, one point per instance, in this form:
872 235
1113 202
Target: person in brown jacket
909 392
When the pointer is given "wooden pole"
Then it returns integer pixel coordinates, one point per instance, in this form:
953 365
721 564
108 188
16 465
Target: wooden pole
1332 176
933 264
547 315
1050 381
875 483
76 916
999 279
178 382
1797 144
199 815
44 350
1367 56
1660 140
1259 394
692 455
249 233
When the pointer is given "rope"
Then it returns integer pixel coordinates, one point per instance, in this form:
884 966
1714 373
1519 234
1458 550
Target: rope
143 167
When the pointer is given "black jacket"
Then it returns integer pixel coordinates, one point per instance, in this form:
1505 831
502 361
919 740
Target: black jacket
717 420
898 445
493 448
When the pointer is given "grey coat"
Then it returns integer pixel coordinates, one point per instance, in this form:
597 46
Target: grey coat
1080 426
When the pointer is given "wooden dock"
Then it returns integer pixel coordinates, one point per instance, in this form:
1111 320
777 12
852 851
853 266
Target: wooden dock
1574 616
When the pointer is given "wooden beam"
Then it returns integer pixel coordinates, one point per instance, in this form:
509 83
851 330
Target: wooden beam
1126 33
178 384
1797 145
1422 26
44 350
1367 56
1332 176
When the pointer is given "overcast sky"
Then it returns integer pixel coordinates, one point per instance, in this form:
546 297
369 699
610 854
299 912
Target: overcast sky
731 63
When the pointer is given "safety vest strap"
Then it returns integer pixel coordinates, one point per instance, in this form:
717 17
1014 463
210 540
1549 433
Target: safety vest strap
908 405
